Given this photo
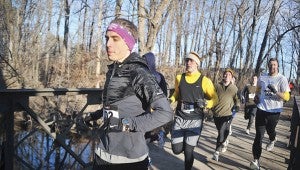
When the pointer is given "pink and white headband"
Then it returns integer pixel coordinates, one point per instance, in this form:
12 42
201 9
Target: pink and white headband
125 34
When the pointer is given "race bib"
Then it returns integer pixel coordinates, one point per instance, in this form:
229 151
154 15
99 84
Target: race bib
187 108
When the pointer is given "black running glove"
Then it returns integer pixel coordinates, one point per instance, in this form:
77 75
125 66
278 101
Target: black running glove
272 88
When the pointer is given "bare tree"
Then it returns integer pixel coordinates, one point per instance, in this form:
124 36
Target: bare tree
216 42
168 32
118 8
196 40
225 33
85 7
99 44
66 35
141 25
187 30
272 16
155 18
241 10
249 54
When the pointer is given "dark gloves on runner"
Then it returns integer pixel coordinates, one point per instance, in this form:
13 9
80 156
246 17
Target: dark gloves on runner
201 103
93 115
272 88
120 125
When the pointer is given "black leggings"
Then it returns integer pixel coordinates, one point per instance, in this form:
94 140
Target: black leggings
222 124
100 164
250 112
188 153
251 120
264 121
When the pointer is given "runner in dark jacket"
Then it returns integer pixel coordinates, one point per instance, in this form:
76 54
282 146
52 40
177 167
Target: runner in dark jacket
129 91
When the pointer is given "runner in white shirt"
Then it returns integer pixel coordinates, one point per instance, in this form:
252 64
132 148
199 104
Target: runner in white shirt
272 90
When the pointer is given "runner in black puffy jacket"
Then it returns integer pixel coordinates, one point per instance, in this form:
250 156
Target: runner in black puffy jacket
129 91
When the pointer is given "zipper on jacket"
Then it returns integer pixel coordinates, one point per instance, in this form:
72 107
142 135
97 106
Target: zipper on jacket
107 104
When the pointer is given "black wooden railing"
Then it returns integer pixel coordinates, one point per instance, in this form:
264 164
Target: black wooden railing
12 100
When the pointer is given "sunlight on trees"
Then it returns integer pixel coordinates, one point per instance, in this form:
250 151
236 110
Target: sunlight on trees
51 43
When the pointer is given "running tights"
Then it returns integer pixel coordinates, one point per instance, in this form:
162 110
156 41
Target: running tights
264 121
188 153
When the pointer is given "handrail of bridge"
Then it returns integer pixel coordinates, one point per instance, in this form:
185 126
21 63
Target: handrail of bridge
12 100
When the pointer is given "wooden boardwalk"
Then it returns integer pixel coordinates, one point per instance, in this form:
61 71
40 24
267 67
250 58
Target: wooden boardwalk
238 154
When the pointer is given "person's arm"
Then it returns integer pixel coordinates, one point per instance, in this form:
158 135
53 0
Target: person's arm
284 96
236 99
152 96
175 94
257 93
243 95
163 85
210 93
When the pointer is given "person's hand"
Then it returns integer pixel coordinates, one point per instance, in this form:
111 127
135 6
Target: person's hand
93 115
171 100
123 125
201 103
272 88
235 108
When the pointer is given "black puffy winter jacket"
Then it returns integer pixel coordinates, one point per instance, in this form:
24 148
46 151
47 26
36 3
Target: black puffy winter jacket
130 89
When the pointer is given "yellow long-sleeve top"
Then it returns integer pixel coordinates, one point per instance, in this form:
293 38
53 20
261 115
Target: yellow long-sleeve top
209 90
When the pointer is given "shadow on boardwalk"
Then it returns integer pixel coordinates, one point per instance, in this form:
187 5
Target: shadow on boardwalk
238 154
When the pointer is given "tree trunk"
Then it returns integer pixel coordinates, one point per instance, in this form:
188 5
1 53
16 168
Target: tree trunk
169 32
141 25
47 56
66 38
249 55
118 8
156 17
99 44
181 5
84 26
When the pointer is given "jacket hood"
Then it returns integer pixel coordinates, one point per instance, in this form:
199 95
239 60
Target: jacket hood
150 59
135 58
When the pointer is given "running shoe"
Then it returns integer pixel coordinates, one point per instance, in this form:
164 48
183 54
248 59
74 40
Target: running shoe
254 165
216 156
270 145
248 131
230 130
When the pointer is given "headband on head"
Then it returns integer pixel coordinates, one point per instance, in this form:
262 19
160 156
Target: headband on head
230 71
194 56
125 34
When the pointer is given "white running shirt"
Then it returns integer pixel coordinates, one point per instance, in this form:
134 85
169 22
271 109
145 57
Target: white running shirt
269 101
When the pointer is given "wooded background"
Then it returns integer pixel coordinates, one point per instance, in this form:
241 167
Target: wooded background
60 43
